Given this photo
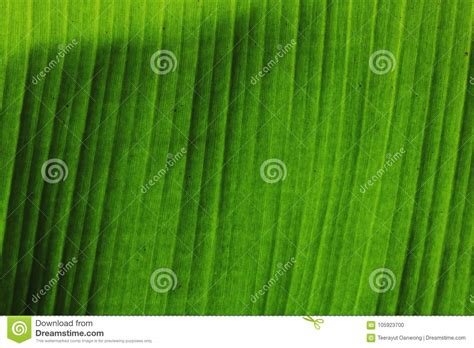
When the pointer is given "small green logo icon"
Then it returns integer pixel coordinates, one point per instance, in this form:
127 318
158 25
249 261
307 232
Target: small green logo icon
370 337
19 328
316 322
371 325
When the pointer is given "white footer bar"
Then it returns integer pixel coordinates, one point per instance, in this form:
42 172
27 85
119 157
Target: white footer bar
290 331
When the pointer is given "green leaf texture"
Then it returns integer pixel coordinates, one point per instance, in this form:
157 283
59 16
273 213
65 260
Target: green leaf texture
236 157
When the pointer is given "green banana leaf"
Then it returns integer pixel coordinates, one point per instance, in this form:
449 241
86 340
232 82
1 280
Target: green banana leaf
236 157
